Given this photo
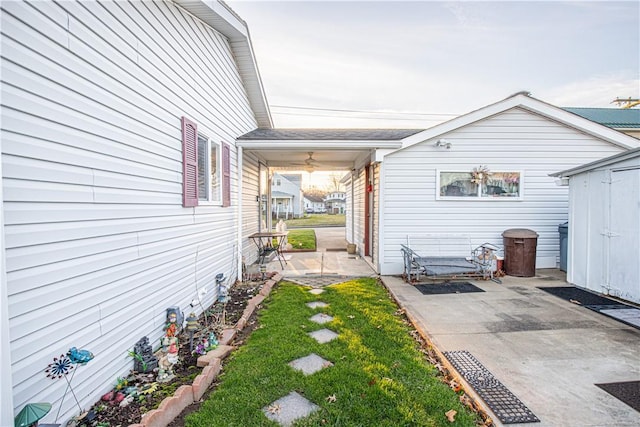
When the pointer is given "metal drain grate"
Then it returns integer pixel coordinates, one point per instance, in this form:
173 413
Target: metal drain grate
507 407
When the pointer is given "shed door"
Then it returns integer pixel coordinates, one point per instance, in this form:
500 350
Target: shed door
624 268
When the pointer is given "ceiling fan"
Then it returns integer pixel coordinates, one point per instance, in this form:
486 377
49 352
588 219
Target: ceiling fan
309 163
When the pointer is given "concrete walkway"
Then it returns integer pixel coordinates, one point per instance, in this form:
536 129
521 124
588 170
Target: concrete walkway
330 259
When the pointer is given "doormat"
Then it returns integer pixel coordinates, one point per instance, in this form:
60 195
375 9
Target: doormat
627 314
628 392
571 294
448 288
507 407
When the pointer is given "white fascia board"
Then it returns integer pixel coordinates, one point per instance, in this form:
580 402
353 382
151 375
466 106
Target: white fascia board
535 106
217 15
220 17
317 144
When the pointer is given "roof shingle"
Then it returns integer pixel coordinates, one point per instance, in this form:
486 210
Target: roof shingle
329 134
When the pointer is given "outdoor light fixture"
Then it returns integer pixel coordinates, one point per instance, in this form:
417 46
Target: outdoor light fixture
443 143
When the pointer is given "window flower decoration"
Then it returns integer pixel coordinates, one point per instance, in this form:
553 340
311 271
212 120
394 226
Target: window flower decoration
480 175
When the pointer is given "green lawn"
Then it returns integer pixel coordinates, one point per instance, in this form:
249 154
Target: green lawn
379 377
302 238
317 220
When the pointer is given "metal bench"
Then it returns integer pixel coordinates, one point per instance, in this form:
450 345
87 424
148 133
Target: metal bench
479 262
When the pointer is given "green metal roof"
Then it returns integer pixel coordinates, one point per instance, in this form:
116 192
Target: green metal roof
616 118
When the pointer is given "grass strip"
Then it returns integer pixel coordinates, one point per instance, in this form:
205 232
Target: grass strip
315 220
302 239
379 377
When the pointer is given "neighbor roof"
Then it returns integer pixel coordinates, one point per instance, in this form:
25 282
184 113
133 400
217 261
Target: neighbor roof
328 134
617 118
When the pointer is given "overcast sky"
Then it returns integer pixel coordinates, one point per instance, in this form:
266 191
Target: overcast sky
441 59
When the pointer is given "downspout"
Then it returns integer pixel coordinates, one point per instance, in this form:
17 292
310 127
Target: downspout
6 385
239 216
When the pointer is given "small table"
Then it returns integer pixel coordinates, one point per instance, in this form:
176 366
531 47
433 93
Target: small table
264 242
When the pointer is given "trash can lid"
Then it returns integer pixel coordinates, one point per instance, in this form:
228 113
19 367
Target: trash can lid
519 233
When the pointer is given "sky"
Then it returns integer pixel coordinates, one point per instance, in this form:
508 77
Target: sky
392 64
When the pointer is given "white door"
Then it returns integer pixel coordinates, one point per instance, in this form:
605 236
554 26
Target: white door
624 253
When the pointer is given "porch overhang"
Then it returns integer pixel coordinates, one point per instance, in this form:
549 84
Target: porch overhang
332 149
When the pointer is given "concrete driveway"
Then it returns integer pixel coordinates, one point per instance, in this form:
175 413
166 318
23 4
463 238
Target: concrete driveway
545 350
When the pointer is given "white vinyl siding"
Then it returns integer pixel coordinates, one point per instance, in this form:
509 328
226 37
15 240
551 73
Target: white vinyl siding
250 206
604 229
514 140
97 242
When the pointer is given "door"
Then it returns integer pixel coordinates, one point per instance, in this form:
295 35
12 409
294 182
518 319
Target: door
624 243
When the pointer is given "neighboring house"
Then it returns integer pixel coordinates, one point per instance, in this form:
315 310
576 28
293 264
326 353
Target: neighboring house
122 187
604 225
336 202
286 196
625 120
314 204
425 187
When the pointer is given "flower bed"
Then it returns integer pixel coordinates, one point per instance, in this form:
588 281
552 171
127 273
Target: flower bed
148 402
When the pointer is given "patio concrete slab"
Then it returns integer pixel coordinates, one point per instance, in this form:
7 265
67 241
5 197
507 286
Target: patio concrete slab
323 335
549 352
289 408
310 364
326 261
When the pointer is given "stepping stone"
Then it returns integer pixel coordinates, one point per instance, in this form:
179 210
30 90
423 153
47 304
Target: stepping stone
310 364
316 304
287 409
321 318
316 291
323 335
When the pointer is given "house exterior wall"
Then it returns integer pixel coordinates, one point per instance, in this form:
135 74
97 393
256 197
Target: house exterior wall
354 217
516 140
602 249
281 184
97 242
250 207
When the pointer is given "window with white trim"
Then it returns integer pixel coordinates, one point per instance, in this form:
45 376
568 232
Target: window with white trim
476 185
209 170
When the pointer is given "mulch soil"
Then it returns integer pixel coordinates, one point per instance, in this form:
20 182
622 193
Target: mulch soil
111 414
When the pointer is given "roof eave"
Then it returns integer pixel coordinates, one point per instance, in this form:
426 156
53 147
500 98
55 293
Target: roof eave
535 106
315 144
220 17
630 154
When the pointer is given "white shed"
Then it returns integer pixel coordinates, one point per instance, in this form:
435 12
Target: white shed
604 225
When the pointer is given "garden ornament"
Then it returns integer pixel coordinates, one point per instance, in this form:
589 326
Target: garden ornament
192 327
168 361
31 414
213 341
80 357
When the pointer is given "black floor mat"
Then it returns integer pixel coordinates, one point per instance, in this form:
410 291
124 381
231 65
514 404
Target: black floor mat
571 293
628 392
448 288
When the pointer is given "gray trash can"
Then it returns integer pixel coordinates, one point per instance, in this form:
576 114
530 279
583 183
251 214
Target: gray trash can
520 252
563 230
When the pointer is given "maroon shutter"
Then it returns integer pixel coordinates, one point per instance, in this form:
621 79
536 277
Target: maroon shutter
189 163
226 174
